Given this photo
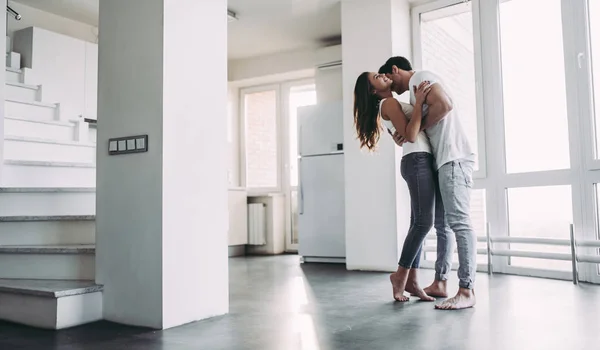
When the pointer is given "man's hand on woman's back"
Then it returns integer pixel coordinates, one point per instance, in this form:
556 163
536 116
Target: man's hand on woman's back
397 138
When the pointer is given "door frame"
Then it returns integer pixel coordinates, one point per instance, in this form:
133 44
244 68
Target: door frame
286 187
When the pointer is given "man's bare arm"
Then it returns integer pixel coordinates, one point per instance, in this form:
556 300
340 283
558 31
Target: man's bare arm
440 105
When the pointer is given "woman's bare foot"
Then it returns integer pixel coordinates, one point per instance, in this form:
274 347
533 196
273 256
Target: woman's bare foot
398 280
464 299
412 287
437 289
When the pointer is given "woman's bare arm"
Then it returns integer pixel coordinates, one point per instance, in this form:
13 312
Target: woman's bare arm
406 128
392 110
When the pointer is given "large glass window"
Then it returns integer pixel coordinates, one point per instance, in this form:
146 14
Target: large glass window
540 212
479 222
594 20
529 58
534 90
260 116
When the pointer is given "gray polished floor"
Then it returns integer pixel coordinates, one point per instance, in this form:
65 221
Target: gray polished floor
276 303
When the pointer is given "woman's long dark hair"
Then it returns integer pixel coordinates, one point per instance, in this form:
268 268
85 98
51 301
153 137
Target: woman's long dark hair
366 111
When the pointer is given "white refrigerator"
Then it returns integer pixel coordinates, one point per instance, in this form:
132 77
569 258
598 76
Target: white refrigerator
321 204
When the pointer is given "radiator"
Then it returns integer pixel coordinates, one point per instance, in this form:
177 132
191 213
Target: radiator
257 224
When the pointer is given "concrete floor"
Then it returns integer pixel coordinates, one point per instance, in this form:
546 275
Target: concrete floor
276 303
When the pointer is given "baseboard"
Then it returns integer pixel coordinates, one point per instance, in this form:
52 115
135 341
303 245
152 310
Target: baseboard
237 250
312 259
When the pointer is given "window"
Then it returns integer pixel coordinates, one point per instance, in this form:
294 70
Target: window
447 50
270 143
594 19
533 70
526 62
261 146
541 212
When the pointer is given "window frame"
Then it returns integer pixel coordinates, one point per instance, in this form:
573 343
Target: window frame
283 89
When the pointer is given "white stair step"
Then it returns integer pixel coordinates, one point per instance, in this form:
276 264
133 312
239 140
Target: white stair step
31 109
43 202
24 92
14 75
65 262
47 232
25 218
18 173
50 304
39 149
85 249
55 130
13 60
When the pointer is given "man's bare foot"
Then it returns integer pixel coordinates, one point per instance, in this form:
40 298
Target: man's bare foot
437 289
464 299
398 280
412 287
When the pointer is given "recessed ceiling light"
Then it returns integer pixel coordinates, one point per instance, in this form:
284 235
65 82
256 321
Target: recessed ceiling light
231 16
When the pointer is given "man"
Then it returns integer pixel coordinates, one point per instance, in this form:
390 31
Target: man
454 162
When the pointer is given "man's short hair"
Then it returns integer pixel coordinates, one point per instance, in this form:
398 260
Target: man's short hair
398 61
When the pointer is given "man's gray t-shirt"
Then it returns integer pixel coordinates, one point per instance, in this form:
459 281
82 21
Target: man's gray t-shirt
448 139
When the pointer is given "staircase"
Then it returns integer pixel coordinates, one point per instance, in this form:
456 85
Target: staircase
47 208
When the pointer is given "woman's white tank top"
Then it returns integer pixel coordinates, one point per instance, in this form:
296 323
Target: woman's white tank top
421 144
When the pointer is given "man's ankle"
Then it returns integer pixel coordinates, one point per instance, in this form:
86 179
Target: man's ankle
466 291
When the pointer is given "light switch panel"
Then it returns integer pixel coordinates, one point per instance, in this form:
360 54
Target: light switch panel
140 143
130 144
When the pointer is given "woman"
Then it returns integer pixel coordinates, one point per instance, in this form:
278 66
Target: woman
374 105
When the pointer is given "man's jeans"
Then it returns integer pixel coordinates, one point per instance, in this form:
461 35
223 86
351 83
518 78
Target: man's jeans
456 180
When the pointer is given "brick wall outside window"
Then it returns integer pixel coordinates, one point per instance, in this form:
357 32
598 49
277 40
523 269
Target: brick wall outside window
260 113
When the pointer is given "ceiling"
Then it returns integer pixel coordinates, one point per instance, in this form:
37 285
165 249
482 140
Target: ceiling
263 27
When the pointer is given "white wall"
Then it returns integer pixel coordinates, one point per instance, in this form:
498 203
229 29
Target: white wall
328 81
401 46
329 84
66 67
162 215
90 103
195 211
377 201
284 62
129 188
33 17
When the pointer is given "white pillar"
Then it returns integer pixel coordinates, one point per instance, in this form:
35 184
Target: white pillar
162 215
377 201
